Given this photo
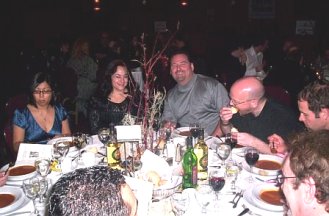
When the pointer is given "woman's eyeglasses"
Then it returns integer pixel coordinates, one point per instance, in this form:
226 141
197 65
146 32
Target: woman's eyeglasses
42 92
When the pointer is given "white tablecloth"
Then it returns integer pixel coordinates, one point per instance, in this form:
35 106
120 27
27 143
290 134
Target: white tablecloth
163 207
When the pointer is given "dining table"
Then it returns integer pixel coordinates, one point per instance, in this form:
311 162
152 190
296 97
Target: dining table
238 188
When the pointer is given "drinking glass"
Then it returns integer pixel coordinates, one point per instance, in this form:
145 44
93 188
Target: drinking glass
204 196
179 203
104 135
217 181
43 189
194 129
60 150
31 188
223 150
251 156
43 166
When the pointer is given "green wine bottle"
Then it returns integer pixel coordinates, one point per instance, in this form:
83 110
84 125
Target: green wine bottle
190 176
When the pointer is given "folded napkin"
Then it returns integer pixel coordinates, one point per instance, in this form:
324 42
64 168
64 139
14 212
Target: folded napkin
152 162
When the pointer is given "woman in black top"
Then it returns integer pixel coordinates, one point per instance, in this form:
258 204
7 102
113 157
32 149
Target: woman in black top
117 96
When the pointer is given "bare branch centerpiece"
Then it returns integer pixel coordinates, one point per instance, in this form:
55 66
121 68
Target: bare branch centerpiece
151 100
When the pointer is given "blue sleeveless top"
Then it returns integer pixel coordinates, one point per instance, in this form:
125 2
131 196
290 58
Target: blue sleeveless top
33 132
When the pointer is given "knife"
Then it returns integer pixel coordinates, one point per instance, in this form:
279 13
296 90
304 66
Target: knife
244 211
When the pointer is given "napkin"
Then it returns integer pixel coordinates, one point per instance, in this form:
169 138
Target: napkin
152 162
143 192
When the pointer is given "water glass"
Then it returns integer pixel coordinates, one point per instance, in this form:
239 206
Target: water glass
204 196
179 203
31 188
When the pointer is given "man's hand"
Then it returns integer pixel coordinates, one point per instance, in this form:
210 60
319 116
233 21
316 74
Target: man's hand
225 114
277 143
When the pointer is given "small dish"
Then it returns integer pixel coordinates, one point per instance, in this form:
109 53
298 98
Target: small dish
21 172
268 165
267 197
18 198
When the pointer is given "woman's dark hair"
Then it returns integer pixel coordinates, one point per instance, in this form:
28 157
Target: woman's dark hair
106 87
37 79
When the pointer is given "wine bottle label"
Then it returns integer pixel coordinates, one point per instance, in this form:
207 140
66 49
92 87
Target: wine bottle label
204 162
202 159
194 175
113 155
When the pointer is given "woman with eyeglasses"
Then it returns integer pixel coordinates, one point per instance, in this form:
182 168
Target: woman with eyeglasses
42 119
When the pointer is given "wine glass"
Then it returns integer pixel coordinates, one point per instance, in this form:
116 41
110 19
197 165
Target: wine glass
43 166
251 156
104 135
204 196
179 203
194 129
217 180
61 149
43 189
31 188
223 150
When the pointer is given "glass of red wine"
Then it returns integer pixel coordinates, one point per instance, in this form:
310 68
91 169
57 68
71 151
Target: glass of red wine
251 156
217 181
194 129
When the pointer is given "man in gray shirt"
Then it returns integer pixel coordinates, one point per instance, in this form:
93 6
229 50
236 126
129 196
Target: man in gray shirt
195 98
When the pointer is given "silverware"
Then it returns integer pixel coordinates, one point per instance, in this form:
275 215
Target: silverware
11 164
237 201
236 195
250 212
244 211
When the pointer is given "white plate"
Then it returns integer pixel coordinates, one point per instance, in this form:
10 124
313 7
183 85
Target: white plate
21 177
64 139
249 203
257 190
19 198
176 132
261 172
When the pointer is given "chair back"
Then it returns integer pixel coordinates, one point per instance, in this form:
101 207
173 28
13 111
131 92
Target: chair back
16 102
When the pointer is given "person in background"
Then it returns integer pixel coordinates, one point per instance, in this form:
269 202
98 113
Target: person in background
254 57
305 174
258 117
313 104
195 98
42 119
86 70
118 96
95 190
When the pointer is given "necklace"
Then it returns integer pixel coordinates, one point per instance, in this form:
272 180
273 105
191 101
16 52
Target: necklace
43 116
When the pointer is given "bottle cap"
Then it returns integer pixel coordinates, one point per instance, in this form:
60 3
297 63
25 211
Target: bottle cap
189 142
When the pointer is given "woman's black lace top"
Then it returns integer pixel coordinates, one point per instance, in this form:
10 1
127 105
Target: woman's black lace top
102 112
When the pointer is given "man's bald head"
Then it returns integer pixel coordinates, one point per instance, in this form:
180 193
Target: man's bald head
248 88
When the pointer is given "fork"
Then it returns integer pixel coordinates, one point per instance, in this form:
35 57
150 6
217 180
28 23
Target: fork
236 195
237 201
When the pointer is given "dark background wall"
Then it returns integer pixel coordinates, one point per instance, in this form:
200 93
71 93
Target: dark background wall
207 23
